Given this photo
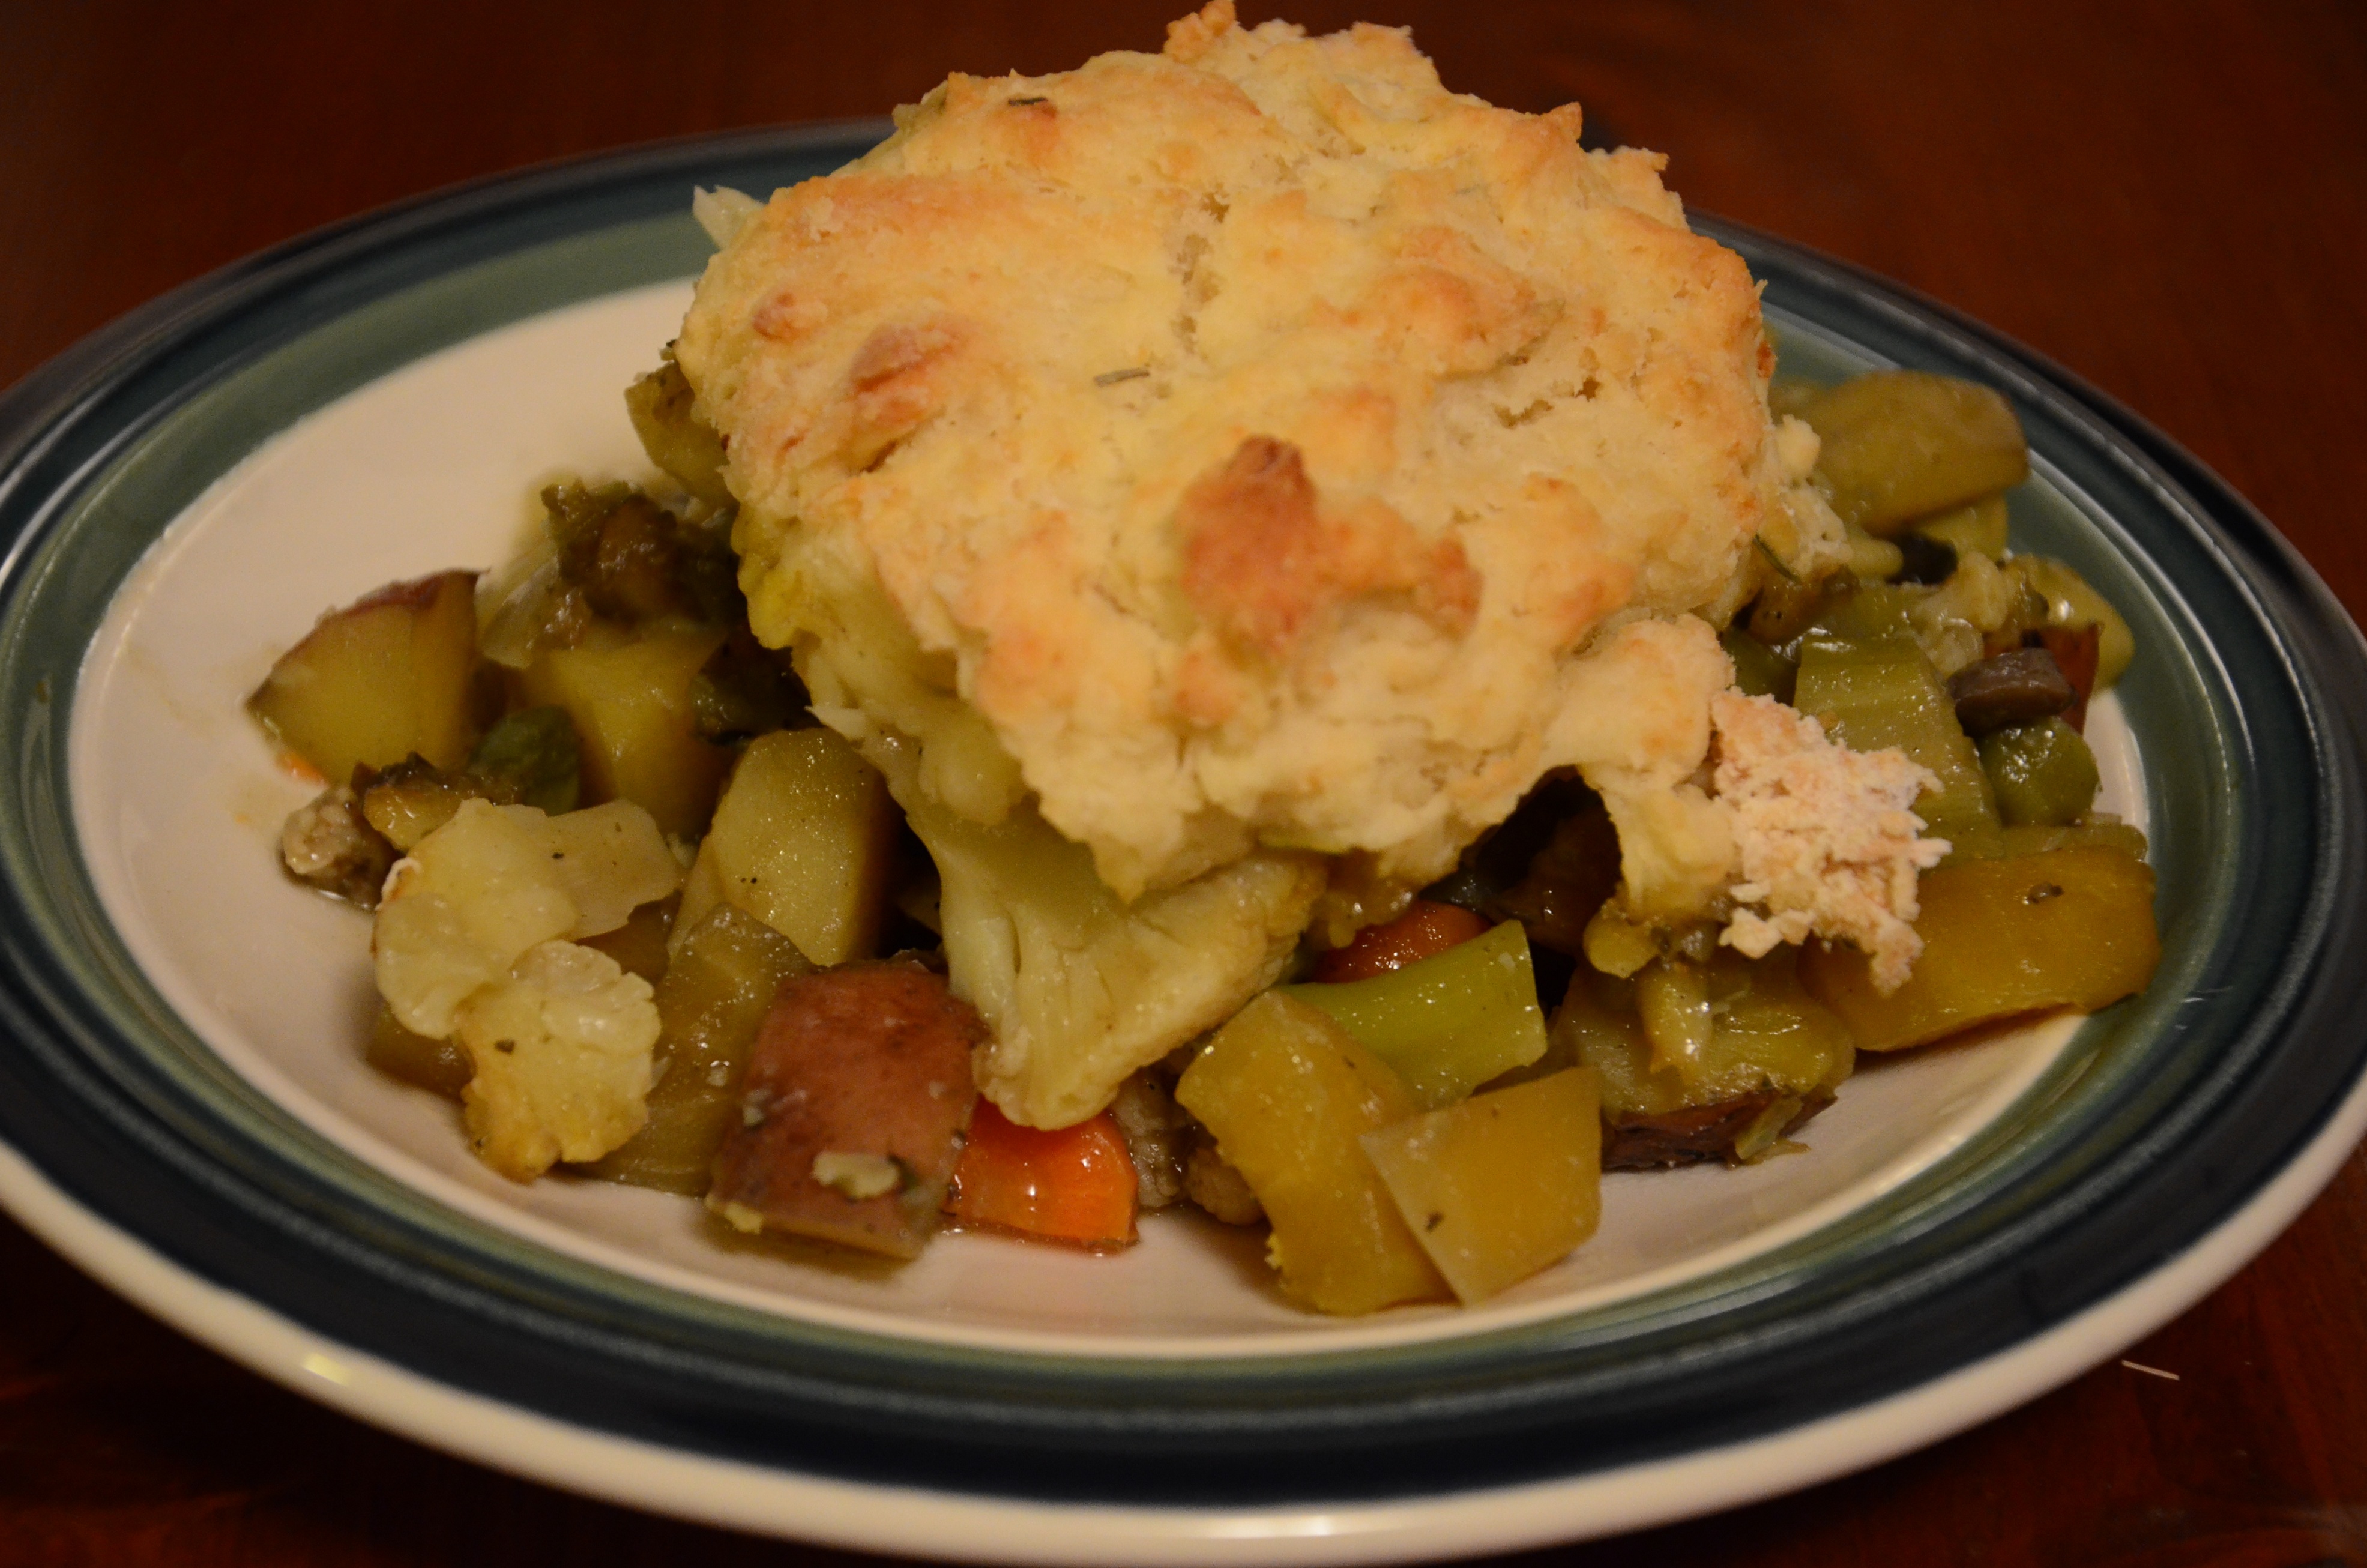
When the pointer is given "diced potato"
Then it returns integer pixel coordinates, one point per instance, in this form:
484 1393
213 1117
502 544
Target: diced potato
852 1110
711 1001
1902 444
387 675
2069 927
1288 1094
561 1051
1975 530
629 697
1449 1023
1502 1184
805 840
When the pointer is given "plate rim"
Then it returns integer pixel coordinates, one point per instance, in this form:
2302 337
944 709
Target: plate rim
963 1527
138 333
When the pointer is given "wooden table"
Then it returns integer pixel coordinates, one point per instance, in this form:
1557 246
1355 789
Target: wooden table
2171 203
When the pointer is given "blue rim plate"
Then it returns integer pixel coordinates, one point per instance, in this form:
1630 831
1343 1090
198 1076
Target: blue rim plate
2173 1139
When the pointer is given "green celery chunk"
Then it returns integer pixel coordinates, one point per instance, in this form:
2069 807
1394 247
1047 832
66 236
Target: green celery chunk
1449 1023
1758 670
1884 692
2044 774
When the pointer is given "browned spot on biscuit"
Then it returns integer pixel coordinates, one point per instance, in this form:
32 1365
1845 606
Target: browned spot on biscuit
1471 311
783 317
1262 560
896 383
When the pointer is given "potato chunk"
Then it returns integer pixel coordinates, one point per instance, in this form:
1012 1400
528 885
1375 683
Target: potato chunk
852 1110
385 677
1903 444
2069 927
1289 1093
805 840
1502 1185
630 699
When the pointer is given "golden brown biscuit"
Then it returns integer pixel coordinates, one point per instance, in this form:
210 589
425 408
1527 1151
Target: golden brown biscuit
1251 445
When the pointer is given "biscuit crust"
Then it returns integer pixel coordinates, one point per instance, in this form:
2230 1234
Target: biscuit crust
1253 443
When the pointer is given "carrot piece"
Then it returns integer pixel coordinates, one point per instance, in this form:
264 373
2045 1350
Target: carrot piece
1068 1183
1424 930
2074 650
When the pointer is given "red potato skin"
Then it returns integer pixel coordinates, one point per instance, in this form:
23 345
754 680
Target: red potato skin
866 1059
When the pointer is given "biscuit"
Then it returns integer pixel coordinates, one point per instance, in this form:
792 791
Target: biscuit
1253 445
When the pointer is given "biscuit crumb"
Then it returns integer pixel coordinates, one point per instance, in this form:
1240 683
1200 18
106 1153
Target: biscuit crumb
1827 844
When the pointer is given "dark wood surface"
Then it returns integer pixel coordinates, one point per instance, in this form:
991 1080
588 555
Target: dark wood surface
2169 200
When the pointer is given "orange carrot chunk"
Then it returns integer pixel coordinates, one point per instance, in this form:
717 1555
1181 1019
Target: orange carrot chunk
1424 930
1069 1184
2076 651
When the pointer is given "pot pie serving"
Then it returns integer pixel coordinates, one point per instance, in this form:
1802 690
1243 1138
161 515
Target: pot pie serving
1185 599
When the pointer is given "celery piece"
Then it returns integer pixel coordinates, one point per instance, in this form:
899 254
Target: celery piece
1449 1023
1869 613
1767 1033
1884 692
1758 670
2044 774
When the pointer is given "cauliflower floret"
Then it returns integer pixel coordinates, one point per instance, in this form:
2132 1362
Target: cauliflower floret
562 1047
476 937
1829 847
1079 989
